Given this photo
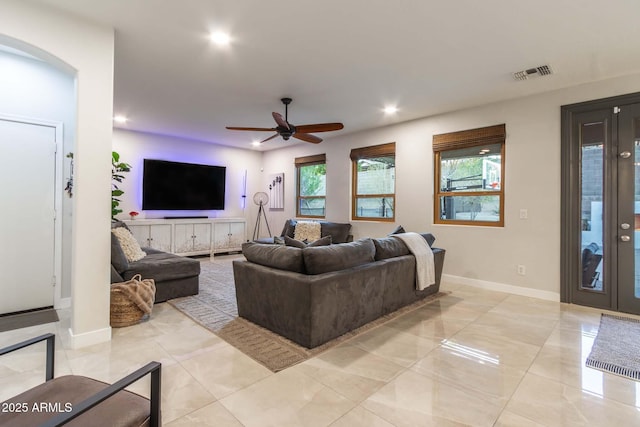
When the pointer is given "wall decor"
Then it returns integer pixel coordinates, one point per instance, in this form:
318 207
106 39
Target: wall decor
276 191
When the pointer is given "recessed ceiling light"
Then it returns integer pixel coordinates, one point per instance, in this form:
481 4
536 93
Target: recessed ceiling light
120 119
390 109
220 38
255 143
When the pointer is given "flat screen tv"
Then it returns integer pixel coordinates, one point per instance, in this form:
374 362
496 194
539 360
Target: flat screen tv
182 186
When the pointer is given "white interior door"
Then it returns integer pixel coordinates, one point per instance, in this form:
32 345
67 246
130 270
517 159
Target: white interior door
27 236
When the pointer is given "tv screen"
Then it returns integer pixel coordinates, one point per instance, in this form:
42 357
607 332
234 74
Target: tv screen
182 186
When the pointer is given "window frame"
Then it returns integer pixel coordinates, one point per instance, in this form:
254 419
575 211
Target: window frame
479 137
375 151
301 162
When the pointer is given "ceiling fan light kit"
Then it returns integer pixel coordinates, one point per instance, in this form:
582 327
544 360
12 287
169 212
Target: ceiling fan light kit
286 130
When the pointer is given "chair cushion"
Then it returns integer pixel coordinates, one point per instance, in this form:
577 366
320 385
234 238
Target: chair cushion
122 409
323 259
281 257
339 232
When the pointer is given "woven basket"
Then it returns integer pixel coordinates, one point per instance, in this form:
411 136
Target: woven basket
124 312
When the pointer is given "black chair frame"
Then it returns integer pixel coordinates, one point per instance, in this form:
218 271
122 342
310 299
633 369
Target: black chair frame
152 368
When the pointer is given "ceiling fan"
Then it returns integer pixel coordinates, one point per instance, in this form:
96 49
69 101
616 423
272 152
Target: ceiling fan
286 130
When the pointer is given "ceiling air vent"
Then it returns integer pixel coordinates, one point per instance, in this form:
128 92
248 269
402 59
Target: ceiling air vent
543 70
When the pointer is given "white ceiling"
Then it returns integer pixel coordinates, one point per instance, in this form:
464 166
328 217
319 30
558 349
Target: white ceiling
344 60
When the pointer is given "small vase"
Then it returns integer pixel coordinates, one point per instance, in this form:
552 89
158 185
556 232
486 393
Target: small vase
132 217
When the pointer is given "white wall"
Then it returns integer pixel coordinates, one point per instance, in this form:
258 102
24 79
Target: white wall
85 49
134 147
481 255
38 90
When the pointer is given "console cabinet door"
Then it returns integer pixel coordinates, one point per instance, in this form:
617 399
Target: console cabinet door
160 237
201 237
221 236
183 234
141 234
236 235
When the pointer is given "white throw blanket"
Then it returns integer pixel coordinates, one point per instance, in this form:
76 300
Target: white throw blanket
425 266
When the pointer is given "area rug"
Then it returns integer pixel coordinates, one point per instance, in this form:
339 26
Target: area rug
24 320
215 308
616 348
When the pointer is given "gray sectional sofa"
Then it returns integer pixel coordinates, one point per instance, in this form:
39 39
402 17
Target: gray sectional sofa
175 276
315 294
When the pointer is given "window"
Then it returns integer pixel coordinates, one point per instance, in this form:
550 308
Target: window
374 182
311 186
469 177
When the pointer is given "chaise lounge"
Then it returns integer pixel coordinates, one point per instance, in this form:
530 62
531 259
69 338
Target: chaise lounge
175 276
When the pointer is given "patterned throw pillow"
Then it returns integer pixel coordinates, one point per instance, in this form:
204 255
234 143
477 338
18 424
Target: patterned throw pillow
129 244
307 231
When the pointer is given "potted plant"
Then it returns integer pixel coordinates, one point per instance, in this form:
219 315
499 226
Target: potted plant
117 170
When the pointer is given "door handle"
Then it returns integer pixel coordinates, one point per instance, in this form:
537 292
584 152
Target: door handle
625 238
625 155
625 226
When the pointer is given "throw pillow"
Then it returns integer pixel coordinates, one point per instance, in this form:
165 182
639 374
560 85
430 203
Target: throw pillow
398 230
294 243
307 230
129 244
326 240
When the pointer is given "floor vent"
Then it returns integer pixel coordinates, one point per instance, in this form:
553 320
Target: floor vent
543 70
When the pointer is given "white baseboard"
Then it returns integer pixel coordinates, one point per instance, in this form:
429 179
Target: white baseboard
89 338
502 287
63 303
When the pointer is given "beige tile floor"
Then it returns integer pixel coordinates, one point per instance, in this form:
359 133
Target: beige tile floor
474 357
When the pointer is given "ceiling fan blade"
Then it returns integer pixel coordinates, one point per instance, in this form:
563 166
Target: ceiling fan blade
280 120
320 127
271 137
307 137
255 129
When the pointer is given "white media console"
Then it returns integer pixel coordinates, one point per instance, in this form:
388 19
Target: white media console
190 236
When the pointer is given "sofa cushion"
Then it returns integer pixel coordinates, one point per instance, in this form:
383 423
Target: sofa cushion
163 266
339 232
326 240
323 259
118 258
281 257
118 223
289 228
129 244
389 247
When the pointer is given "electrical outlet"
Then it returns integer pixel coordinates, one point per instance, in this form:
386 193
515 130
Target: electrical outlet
522 270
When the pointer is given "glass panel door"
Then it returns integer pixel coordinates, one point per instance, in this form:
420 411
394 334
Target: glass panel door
592 195
628 239
592 143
